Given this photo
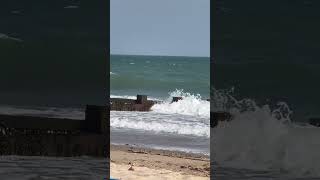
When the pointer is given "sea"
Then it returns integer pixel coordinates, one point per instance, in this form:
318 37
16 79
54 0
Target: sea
265 69
53 63
182 125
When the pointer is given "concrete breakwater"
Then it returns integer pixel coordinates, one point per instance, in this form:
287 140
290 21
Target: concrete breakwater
140 104
40 136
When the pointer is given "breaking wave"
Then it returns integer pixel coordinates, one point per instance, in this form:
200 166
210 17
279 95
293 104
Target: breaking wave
261 137
189 116
190 104
4 36
160 123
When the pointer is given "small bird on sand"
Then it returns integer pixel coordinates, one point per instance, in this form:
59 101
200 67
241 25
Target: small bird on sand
131 167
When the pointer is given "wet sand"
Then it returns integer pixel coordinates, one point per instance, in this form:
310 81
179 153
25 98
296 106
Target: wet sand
157 164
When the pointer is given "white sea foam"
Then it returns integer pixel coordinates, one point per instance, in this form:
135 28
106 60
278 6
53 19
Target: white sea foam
263 138
133 97
190 104
164 123
15 12
71 7
4 36
124 97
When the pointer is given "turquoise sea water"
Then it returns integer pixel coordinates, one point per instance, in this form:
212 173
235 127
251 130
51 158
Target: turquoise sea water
156 76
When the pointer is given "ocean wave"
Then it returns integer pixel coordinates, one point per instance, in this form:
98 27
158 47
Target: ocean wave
71 7
4 36
160 123
261 137
16 12
190 104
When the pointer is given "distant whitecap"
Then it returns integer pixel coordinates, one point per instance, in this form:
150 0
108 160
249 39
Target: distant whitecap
71 7
4 36
15 12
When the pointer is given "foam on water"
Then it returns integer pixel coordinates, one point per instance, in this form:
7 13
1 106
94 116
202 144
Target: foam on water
4 36
71 7
190 104
123 97
133 97
261 137
157 122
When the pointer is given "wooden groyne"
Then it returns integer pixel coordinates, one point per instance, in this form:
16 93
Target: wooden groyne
40 136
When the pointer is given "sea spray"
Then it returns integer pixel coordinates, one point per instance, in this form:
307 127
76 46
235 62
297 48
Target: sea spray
190 104
261 137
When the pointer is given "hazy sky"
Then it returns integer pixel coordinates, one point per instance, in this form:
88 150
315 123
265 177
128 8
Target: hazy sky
160 27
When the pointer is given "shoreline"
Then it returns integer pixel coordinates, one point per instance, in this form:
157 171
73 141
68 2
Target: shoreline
45 167
156 163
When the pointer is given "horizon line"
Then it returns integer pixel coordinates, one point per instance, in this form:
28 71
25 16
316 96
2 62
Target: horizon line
158 55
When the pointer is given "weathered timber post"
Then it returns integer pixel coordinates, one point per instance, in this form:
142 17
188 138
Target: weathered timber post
96 119
215 117
142 99
314 121
176 99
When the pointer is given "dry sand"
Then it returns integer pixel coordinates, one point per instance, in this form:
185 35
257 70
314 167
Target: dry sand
157 164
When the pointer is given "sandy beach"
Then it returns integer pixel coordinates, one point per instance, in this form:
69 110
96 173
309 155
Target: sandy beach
157 164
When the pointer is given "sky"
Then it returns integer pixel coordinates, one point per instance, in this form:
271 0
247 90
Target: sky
160 27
